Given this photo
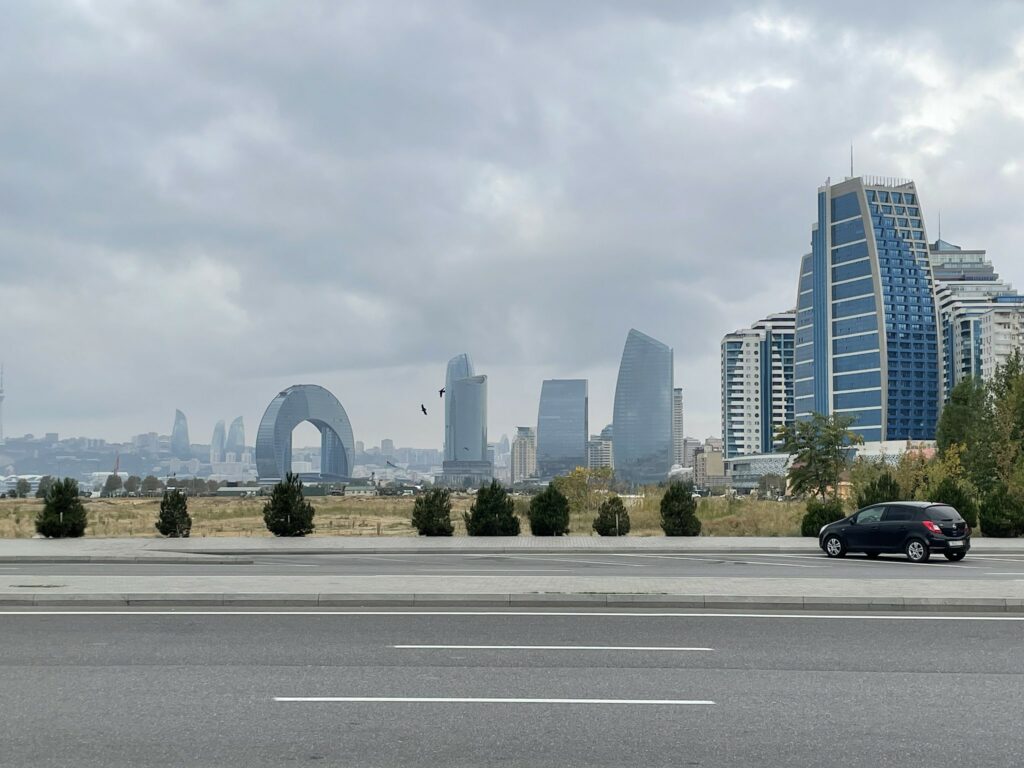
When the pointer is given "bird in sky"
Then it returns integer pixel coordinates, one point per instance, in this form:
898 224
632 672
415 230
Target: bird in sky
465 448
392 465
423 408
440 392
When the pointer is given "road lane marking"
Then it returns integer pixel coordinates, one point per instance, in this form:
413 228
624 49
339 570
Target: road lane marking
549 648
720 560
141 611
575 560
487 700
1002 573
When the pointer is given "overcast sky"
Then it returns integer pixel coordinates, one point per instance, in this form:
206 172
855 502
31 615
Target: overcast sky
203 203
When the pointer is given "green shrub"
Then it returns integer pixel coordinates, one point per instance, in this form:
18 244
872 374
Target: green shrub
493 513
432 513
949 491
1002 514
679 511
549 513
883 488
287 513
174 519
63 514
820 513
612 518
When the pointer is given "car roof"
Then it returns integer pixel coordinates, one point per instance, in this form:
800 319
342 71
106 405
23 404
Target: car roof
918 504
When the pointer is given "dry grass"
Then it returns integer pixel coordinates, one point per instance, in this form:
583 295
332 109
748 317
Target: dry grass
338 516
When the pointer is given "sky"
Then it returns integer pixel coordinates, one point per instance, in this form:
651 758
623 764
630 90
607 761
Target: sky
204 203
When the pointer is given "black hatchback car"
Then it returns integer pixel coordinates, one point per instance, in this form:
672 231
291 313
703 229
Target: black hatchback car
916 528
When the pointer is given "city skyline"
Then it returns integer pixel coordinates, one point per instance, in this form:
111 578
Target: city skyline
260 217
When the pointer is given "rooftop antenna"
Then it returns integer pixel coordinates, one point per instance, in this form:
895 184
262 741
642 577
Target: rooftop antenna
851 159
940 236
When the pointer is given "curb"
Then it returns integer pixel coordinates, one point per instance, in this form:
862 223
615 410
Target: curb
198 557
524 600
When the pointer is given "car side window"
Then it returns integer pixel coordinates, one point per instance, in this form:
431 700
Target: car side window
870 515
897 514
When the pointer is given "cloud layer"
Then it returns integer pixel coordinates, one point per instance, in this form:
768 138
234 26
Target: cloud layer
202 204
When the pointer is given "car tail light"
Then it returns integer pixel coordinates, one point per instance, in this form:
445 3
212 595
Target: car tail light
932 527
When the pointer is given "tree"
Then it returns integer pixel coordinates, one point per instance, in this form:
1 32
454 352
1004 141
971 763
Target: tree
151 484
1005 425
882 488
679 511
287 513
549 513
112 485
45 483
63 514
132 484
819 513
952 492
432 513
22 487
212 486
174 519
493 513
612 518
1002 514
819 446
963 415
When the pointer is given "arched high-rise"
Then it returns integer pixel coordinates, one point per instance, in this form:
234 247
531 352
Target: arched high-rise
291 407
217 443
181 448
642 416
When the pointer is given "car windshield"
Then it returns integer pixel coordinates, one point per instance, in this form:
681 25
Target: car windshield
944 514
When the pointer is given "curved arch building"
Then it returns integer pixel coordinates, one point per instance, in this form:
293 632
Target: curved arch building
299 403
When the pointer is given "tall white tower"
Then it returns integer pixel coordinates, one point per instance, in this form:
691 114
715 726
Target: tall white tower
1 403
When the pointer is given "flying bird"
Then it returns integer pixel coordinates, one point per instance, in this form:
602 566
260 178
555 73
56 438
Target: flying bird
392 465
440 392
423 408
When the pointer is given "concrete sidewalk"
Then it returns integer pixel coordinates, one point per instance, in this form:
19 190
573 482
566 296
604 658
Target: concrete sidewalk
140 549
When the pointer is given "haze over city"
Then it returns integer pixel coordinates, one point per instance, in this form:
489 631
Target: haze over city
204 205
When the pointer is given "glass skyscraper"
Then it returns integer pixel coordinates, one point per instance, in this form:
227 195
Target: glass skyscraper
235 443
642 415
866 330
217 442
180 446
562 426
465 425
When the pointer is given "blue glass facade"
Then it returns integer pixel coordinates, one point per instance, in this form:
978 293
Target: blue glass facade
867 336
642 415
180 446
291 407
562 426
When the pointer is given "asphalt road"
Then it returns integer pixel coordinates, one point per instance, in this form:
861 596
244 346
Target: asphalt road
611 564
137 688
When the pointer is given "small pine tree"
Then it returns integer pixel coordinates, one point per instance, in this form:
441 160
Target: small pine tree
174 520
493 513
679 511
549 513
1002 514
820 513
951 492
883 488
612 518
287 513
63 514
432 513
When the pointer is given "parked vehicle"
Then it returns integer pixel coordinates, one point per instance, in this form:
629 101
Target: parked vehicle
915 528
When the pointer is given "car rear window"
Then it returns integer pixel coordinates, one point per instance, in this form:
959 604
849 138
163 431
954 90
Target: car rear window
944 513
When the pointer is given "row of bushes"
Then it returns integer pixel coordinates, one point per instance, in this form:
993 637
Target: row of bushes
493 513
1000 513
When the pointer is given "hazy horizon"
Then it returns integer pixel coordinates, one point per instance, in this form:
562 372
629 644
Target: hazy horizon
204 204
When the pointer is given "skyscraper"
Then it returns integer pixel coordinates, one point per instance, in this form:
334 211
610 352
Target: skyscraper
235 443
677 426
562 426
181 448
642 414
465 425
757 384
599 449
524 454
866 329
387 447
217 443
1 404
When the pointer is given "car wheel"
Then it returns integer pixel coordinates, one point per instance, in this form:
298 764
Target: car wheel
956 557
917 551
834 546
871 555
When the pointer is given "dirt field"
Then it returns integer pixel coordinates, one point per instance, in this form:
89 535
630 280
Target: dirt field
336 516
